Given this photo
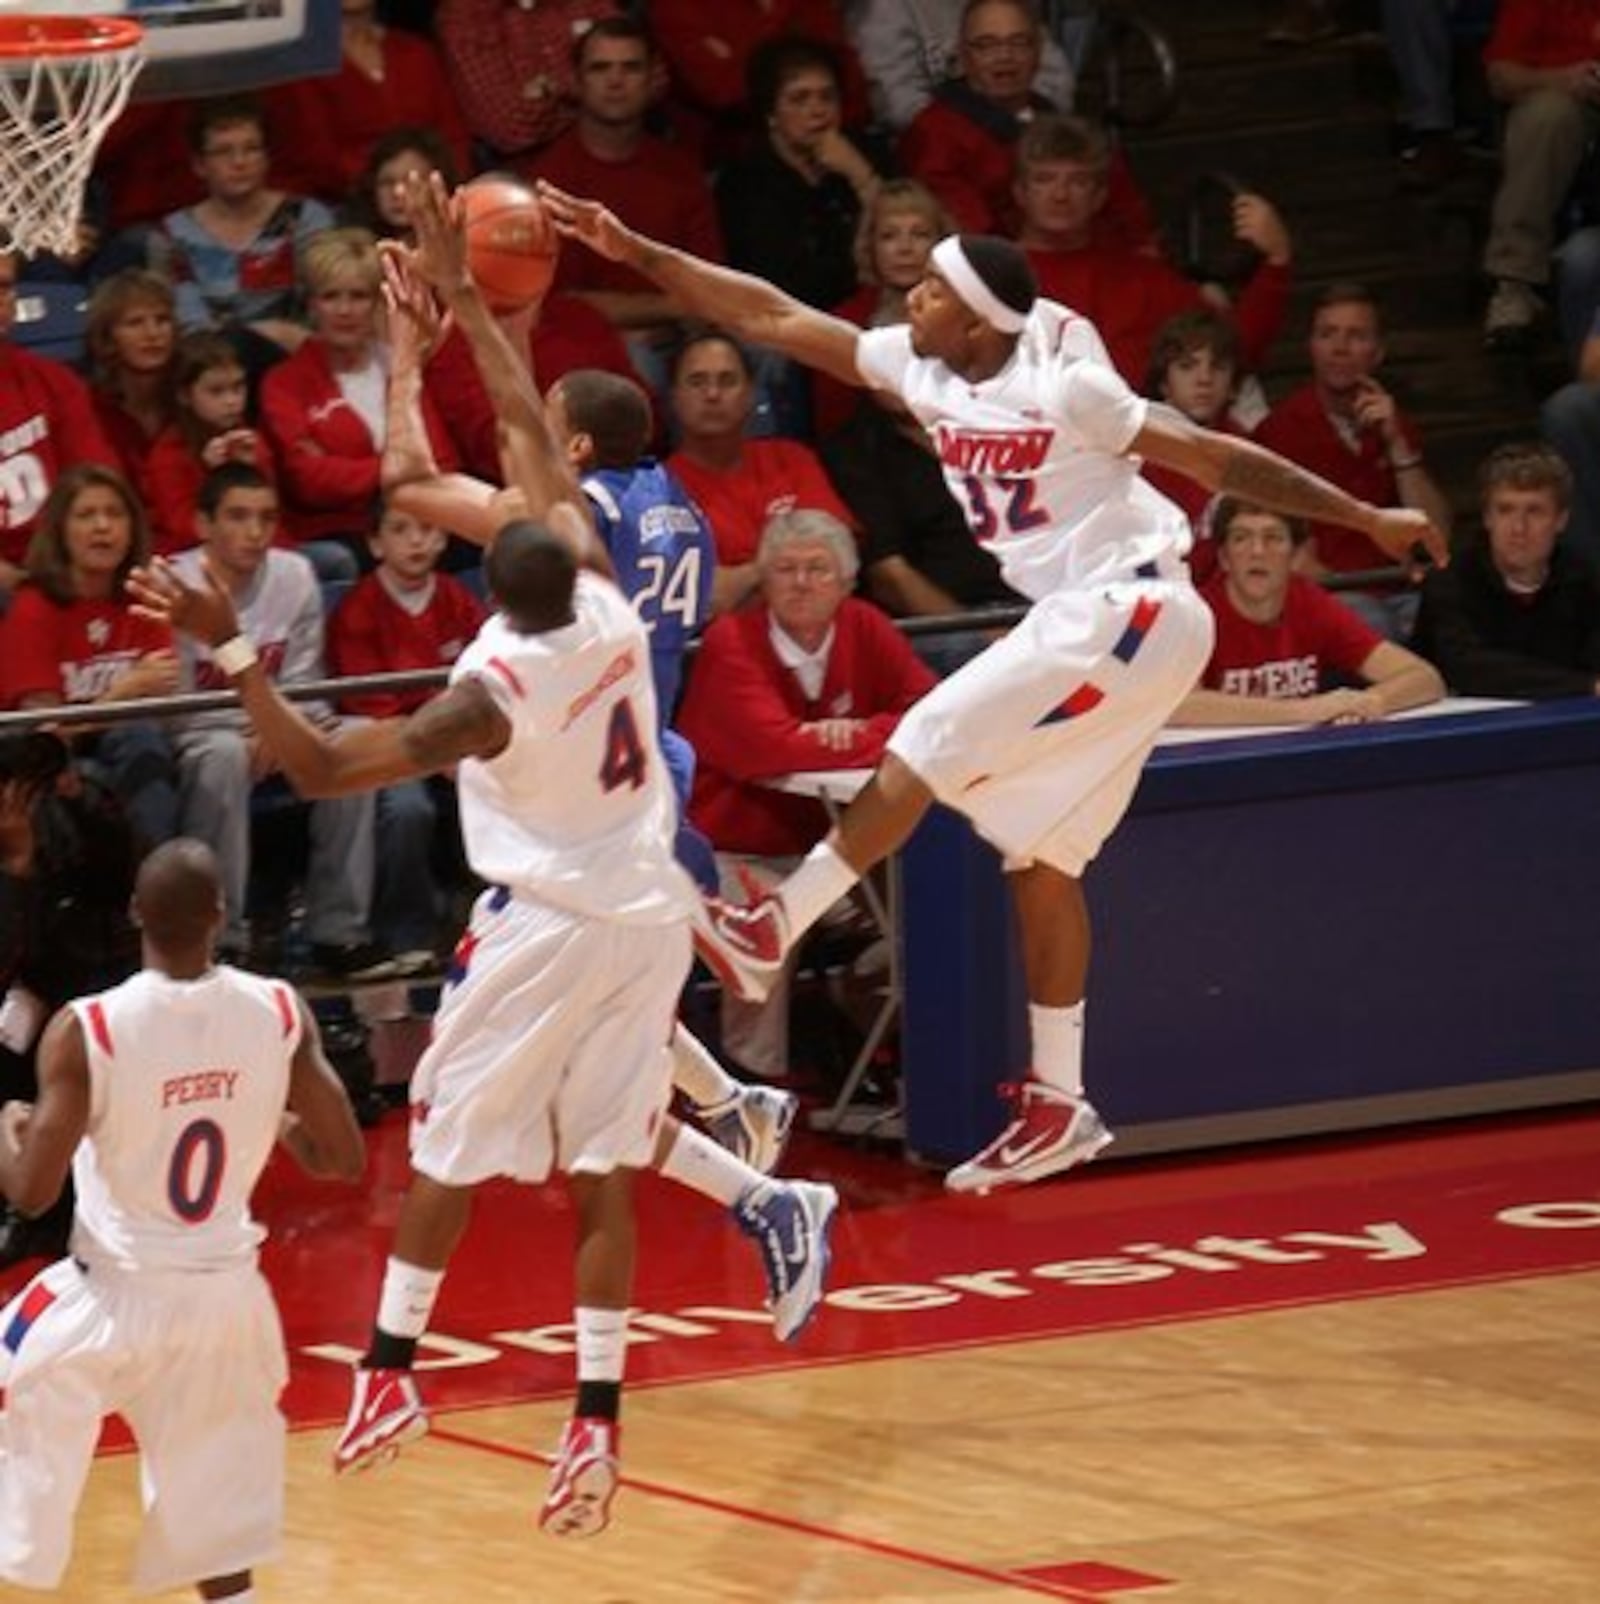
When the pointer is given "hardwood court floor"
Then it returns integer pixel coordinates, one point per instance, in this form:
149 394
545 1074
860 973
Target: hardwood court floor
1343 1371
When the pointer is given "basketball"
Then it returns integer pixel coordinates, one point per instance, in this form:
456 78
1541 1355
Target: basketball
511 243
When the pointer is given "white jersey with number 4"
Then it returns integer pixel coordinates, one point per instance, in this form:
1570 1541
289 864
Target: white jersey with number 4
577 810
1034 454
188 1081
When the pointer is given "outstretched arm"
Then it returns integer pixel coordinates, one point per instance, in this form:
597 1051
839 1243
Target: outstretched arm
461 722
533 461
37 1143
1235 467
751 307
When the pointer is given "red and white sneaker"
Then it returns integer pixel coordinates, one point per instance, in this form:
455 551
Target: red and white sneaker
744 943
385 1413
583 1479
1050 1131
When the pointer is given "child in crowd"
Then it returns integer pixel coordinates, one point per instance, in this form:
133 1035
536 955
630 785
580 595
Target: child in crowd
210 428
1194 367
406 615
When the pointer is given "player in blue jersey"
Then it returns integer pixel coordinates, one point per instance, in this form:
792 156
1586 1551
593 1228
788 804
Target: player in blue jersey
663 554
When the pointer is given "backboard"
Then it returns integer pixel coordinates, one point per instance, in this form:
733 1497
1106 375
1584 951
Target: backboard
207 47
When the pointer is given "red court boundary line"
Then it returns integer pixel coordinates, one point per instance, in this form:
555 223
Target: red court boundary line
827 1361
790 1523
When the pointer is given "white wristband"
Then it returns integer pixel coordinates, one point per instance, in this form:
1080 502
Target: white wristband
234 656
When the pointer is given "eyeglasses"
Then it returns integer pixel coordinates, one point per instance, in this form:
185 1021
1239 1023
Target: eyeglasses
988 44
239 152
705 383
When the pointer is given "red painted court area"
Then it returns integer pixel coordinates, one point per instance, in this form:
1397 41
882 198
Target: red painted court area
1118 1245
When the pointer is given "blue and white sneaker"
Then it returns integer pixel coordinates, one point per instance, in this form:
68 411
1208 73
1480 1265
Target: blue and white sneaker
789 1222
754 1125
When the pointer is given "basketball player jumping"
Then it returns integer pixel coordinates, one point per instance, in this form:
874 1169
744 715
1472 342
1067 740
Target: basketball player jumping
549 1050
1040 739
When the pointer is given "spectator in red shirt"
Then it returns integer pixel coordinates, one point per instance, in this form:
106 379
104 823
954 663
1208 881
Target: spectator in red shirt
387 77
807 678
323 410
1345 426
211 427
1061 189
406 615
1194 366
962 145
738 483
1543 60
512 66
1286 652
47 424
649 184
71 637
131 335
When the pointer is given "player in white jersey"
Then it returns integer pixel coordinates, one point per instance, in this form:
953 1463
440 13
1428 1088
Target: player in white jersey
550 1045
165 1096
1040 739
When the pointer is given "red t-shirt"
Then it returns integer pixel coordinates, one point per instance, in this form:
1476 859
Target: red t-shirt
1316 640
371 633
773 476
72 651
1545 33
658 191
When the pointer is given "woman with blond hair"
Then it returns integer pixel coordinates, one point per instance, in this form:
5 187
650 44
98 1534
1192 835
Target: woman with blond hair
323 410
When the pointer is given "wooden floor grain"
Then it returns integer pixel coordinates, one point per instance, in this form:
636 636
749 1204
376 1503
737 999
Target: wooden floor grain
1424 1448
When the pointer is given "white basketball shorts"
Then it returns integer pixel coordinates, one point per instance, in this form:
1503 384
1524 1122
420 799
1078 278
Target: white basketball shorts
550 1050
194 1363
1039 740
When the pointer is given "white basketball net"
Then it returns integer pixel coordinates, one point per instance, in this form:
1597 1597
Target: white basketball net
54 110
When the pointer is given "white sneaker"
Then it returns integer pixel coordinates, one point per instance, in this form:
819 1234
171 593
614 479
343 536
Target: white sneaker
789 1222
754 1125
1052 1131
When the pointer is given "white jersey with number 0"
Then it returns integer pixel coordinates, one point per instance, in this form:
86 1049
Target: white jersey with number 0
187 1085
1034 454
577 810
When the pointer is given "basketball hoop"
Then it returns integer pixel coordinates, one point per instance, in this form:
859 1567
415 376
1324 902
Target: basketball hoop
63 82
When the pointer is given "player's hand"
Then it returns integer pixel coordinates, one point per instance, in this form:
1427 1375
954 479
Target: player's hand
204 613
595 225
1398 531
439 256
416 328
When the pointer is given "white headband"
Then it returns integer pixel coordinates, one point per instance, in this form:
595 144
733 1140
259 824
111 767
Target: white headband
951 261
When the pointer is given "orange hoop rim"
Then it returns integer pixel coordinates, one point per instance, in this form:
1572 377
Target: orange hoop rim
22 37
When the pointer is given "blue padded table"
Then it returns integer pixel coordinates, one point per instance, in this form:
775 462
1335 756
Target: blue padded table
1295 932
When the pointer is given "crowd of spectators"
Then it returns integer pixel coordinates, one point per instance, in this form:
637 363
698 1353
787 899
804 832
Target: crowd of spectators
233 395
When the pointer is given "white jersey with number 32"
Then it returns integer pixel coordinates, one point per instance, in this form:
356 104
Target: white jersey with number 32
187 1085
1034 454
577 810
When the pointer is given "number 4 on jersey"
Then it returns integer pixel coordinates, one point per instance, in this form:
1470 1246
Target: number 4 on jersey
625 760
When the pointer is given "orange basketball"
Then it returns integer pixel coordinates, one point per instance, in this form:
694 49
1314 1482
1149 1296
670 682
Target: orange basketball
511 243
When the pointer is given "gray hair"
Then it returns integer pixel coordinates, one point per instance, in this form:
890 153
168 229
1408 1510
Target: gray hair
809 524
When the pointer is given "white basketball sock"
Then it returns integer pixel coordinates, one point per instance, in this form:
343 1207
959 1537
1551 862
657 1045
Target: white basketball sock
822 878
700 1164
1058 1046
602 1343
697 1074
409 1294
